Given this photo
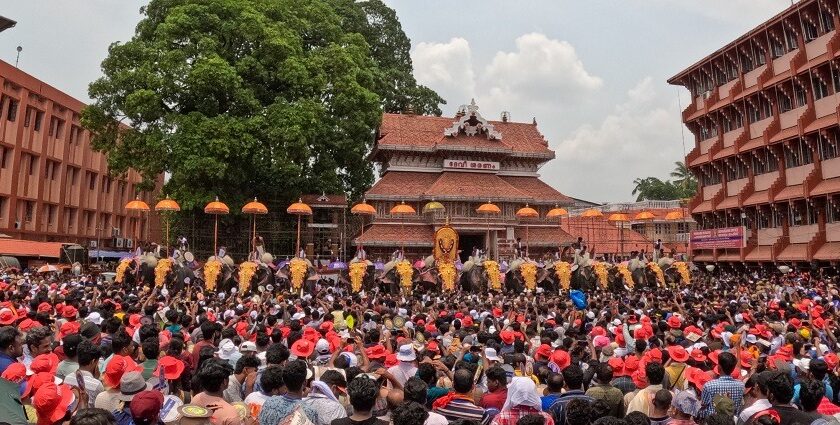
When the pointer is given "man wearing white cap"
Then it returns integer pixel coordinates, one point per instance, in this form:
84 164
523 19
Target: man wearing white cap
406 368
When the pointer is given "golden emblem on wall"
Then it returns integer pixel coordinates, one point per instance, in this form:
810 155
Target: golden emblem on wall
446 245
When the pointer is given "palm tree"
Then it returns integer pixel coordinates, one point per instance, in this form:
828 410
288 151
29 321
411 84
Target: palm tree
682 176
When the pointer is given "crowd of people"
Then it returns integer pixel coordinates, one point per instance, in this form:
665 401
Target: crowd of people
740 348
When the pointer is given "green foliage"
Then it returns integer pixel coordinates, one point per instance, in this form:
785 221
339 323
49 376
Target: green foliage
243 98
652 188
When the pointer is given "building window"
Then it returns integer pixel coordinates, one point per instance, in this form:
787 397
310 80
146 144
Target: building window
5 153
828 148
11 115
39 118
785 104
827 21
832 211
27 117
796 216
799 95
28 211
820 88
33 164
811 214
776 47
92 181
790 37
56 127
809 30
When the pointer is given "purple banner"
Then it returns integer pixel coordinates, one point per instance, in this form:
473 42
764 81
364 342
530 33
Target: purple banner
725 237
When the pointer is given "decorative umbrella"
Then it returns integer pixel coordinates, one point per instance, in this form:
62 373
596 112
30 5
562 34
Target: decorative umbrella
558 213
167 205
619 218
402 209
216 208
363 209
299 209
644 216
337 265
254 207
487 210
527 212
433 207
140 207
47 269
674 215
591 214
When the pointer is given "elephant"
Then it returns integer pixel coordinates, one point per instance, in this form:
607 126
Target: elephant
389 281
139 273
584 278
514 281
263 276
282 277
368 281
473 278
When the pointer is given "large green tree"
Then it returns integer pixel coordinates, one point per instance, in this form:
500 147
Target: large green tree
238 98
390 48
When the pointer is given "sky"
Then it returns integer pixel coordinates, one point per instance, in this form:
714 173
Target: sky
591 72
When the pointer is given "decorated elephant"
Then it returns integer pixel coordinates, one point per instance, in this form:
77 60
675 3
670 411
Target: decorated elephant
477 277
359 275
218 274
134 272
398 276
256 277
296 274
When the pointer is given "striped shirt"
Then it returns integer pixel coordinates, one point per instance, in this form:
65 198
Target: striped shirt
461 408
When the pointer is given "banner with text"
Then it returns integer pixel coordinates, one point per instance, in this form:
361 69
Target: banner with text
487 166
725 237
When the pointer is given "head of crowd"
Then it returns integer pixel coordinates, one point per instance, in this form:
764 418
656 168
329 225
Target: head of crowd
725 348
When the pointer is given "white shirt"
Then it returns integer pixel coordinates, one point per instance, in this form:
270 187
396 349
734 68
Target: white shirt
93 386
436 419
752 409
403 371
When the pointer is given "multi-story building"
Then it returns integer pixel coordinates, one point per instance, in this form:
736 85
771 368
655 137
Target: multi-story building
764 113
53 186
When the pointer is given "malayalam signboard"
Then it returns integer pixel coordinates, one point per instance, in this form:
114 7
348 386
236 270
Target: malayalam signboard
460 164
725 237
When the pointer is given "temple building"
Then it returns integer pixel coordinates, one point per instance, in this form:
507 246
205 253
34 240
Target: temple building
458 164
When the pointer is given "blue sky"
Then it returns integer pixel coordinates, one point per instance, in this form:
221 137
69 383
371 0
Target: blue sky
592 72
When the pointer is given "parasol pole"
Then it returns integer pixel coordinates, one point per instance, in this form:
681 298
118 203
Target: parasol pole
297 244
215 234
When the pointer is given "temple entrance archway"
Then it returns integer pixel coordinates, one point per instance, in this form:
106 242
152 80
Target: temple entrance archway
466 243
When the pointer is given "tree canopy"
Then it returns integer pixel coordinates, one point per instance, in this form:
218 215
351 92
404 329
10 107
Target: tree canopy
652 188
238 98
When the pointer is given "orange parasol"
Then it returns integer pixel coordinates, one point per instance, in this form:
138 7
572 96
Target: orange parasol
618 217
216 208
362 209
556 212
254 207
403 209
644 215
140 207
674 215
299 209
487 210
167 205
592 213
527 212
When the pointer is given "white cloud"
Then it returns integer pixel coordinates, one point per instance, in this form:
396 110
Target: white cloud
639 138
540 69
447 67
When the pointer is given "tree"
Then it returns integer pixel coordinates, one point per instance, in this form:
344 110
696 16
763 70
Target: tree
652 188
683 177
390 48
238 98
